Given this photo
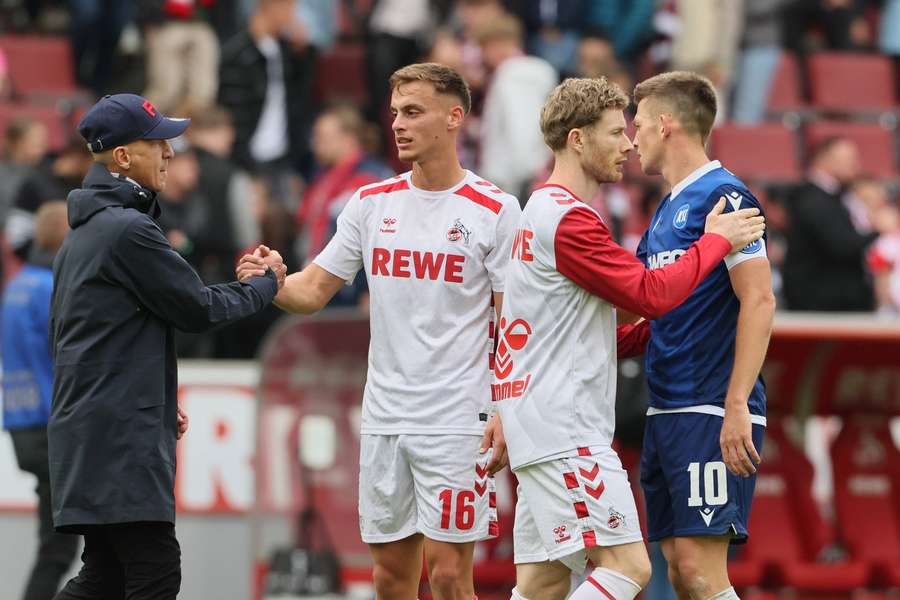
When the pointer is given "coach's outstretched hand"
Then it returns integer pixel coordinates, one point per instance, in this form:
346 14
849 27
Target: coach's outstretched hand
493 438
255 265
740 227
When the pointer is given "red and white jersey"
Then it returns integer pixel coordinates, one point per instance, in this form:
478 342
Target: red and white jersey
432 260
555 368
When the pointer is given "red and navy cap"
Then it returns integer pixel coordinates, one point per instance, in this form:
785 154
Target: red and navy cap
124 118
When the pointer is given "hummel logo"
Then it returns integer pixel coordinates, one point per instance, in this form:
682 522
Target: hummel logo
707 515
389 223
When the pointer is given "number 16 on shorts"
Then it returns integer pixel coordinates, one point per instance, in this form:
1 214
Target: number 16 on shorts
462 505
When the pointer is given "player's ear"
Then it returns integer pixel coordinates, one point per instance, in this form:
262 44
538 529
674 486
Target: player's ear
575 140
455 117
665 125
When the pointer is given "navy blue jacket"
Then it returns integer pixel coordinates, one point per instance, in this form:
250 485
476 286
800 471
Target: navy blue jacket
119 292
27 364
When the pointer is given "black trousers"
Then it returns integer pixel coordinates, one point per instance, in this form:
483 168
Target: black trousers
56 551
127 561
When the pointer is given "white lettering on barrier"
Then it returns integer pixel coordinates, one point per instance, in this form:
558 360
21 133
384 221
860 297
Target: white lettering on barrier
215 467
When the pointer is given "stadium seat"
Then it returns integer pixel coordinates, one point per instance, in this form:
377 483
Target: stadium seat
39 66
866 467
341 75
876 144
787 530
57 129
763 153
785 94
851 82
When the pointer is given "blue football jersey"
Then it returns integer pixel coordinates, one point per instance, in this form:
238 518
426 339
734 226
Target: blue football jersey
691 350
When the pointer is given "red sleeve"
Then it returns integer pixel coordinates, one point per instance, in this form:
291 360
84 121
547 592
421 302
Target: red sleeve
587 254
631 340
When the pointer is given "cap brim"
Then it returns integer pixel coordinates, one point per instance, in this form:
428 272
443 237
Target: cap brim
167 129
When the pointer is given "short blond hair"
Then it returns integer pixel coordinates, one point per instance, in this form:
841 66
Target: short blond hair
578 103
690 97
444 79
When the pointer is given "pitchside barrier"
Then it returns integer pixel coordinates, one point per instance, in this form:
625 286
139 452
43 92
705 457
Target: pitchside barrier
271 439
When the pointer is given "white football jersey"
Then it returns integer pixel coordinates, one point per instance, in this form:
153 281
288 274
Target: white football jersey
555 368
432 261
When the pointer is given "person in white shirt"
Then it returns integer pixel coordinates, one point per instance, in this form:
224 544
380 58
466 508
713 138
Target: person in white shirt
555 367
512 151
434 243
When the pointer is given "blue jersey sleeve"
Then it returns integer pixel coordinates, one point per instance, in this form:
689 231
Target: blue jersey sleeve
737 198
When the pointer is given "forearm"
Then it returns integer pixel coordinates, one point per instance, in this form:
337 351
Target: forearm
298 296
308 291
754 327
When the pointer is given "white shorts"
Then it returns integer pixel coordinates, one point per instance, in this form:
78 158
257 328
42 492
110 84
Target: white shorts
569 504
436 485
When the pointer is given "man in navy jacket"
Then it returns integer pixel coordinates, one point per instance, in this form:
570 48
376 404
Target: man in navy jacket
119 292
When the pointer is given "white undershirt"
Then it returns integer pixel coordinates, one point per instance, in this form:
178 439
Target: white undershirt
270 140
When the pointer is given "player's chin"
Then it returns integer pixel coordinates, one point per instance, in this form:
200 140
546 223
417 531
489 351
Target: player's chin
406 156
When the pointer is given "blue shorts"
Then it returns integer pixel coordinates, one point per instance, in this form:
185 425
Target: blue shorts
688 489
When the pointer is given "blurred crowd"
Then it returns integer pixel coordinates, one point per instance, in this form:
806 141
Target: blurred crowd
289 106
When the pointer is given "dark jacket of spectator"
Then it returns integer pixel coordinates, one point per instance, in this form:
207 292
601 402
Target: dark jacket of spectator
243 82
119 292
824 269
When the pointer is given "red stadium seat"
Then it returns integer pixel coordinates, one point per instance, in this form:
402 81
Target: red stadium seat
341 75
866 474
851 82
39 65
876 145
787 531
785 94
766 152
57 128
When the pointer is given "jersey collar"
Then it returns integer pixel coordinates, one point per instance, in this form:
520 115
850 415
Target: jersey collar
697 174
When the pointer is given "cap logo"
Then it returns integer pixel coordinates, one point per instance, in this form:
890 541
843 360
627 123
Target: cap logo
149 108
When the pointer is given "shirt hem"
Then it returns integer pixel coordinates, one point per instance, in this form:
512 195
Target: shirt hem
704 409
414 430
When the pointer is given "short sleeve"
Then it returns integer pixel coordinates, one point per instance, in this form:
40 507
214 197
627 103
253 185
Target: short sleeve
498 256
737 199
342 257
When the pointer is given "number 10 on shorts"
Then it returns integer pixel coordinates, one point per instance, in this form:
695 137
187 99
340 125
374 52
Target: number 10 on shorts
715 484
465 509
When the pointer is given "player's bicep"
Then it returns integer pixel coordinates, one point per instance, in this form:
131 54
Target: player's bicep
343 254
752 279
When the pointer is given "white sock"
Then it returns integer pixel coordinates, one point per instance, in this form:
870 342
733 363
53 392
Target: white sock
606 584
516 595
728 594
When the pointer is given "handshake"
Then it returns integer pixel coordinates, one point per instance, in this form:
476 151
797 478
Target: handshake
256 264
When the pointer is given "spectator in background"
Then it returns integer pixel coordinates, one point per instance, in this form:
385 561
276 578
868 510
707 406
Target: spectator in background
841 24
825 269
182 54
27 384
629 24
512 148
52 179
469 15
95 30
320 19
758 59
227 188
400 33
597 58
337 144
707 43
265 83
25 147
553 28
